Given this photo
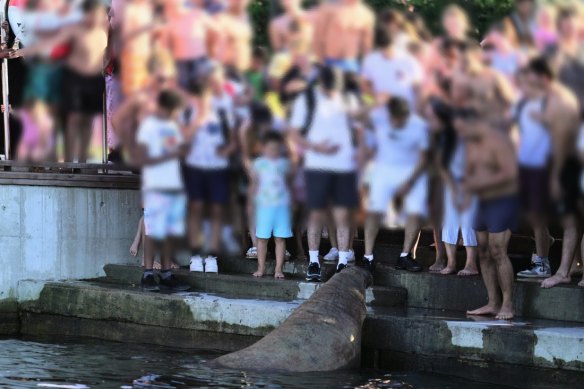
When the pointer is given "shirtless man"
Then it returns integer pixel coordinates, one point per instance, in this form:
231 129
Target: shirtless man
188 34
83 83
344 33
561 117
232 46
492 175
280 27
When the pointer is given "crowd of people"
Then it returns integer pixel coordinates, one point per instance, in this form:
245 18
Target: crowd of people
349 119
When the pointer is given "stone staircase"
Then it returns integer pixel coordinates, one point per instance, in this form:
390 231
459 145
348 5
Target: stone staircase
415 321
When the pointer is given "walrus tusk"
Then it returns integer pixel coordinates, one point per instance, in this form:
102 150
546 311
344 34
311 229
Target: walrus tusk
323 334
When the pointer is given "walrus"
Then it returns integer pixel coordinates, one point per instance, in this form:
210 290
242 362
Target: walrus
323 334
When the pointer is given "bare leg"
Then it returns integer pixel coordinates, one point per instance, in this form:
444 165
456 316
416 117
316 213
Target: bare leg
489 273
137 239
195 220
498 244
470 268
298 231
541 235
262 245
314 230
84 136
150 249
252 223
581 283
451 266
569 245
343 224
332 230
371 231
441 251
74 125
167 254
280 256
436 217
412 233
216 227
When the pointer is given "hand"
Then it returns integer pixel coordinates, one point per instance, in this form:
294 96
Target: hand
463 202
326 148
183 150
4 109
223 151
10 53
403 190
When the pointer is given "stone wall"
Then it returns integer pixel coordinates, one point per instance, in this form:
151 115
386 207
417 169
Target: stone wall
62 233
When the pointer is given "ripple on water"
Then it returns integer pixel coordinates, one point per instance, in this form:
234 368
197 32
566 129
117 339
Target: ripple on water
81 364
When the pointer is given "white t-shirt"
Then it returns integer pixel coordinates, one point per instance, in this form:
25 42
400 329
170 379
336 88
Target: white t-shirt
210 137
331 124
396 76
399 148
272 185
535 140
161 137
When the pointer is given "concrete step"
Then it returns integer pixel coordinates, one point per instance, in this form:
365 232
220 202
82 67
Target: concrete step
246 286
524 353
433 291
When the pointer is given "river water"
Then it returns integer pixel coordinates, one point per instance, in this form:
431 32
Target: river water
79 364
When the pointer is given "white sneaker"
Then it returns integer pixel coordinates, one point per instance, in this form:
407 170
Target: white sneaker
351 257
332 255
197 264
211 265
252 253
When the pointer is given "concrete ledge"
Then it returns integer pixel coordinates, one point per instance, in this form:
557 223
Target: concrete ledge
9 318
433 291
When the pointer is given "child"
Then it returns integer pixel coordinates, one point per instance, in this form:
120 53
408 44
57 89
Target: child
159 150
270 177
36 144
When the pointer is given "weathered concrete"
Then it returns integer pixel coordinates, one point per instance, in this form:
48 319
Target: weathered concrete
246 286
56 233
453 293
9 318
323 334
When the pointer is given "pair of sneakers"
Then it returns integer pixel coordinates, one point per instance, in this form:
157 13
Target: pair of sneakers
207 265
333 255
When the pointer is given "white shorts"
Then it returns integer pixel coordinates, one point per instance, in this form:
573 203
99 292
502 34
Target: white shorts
164 214
455 221
385 181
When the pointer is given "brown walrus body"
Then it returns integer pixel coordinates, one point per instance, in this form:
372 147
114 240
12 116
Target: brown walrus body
323 334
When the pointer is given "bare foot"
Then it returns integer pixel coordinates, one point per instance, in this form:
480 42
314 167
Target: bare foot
437 267
258 274
487 310
554 281
134 248
468 272
279 276
156 265
506 313
448 270
576 269
581 283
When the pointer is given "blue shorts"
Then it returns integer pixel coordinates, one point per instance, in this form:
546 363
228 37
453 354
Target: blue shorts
164 214
207 186
498 215
273 220
346 65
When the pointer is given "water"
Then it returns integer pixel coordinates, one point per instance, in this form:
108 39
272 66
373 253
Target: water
97 364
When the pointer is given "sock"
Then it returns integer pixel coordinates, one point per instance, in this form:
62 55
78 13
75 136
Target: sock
368 257
148 272
313 255
165 274
343 257
404 255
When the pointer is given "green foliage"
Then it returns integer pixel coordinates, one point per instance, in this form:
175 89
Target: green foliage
481 12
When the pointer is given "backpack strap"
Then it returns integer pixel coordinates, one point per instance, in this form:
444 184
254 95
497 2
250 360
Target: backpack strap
310 99
224 122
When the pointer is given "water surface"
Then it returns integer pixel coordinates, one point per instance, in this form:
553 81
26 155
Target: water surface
74 363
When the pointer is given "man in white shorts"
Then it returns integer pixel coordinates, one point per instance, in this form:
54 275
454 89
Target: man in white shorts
398 176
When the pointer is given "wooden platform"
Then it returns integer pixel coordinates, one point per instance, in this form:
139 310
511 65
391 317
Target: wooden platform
79 175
